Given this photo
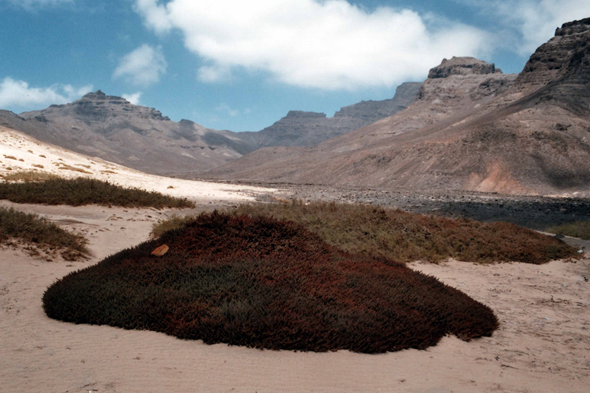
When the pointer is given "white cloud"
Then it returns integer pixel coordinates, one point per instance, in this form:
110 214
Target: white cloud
133 98
143 66
226 109
35 4
311 43
155 16
534 21
15 94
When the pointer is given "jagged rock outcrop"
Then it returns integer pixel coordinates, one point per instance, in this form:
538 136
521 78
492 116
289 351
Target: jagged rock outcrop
472 128
562 66
462 66
300 128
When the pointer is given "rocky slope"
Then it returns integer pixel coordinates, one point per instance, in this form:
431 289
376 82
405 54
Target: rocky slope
311 128
472 128
113 129
142 138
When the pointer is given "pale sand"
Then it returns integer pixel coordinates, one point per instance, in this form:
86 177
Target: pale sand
20 152
542 346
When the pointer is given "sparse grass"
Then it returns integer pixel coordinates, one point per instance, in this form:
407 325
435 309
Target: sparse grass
580 229
82 191
38 234
74 169
174 222
264 283
30 176
406 237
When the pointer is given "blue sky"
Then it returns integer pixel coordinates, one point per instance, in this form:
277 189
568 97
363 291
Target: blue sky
241 65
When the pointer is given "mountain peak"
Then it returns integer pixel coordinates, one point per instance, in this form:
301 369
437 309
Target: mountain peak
100 96
575 27
563 61
462 66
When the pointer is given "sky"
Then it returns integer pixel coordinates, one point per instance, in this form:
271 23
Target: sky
242 65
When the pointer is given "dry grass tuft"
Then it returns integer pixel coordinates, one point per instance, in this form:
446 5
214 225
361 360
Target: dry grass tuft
28 176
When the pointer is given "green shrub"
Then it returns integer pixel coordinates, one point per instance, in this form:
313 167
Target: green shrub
29 176
405 237
83 191
33 230
264 283
174 222
580 229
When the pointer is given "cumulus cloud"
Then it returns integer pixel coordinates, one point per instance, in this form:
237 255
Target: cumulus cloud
143 66
16 94
533 21
226 109
311 43
133 98
36 4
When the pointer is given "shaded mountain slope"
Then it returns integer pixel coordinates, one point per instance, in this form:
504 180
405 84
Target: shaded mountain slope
111 128
300 128
142 138
472 128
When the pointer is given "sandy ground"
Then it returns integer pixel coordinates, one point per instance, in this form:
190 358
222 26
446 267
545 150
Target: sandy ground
543 344
20 152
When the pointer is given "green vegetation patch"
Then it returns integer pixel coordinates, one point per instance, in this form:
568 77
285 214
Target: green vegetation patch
83 191
29 176
266 283
579 229
40 235
407 237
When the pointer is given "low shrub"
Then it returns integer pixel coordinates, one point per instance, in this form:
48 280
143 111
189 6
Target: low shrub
174 222
43 235
30 176
580 229
265 283
83 191
405 237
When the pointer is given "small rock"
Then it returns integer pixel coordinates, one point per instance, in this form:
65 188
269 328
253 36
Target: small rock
158 252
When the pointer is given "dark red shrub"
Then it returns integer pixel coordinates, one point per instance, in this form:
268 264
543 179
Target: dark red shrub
268 284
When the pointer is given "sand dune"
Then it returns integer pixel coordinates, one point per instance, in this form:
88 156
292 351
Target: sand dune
20 152
542 346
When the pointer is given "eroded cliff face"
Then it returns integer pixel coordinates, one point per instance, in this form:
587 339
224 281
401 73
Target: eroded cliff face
562 55
561 68
300 128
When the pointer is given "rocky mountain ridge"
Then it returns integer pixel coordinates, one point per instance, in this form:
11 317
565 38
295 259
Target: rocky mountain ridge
472 128
300 128
113 129
142 138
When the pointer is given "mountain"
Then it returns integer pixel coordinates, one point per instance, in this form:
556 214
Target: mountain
113 129
472 128
300 128
142 138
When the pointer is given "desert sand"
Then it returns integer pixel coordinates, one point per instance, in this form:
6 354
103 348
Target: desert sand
20 152
542 345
